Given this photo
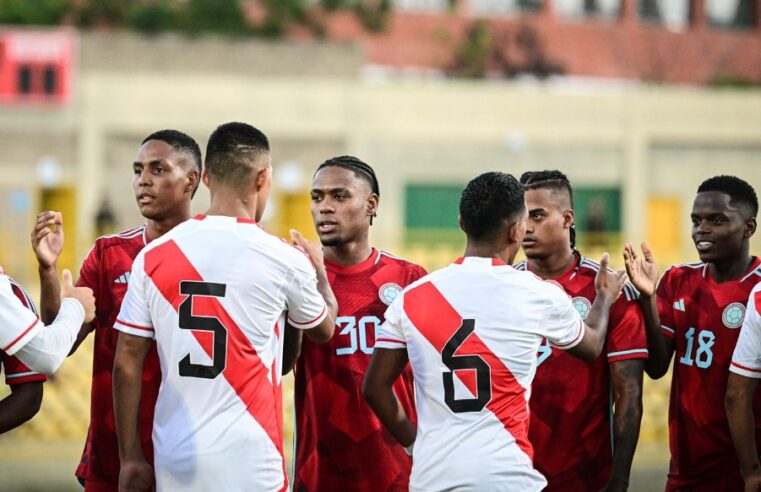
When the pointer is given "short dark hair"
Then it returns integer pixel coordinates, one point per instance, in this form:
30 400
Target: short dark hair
740 192
231 152
181 142
487 201
361 169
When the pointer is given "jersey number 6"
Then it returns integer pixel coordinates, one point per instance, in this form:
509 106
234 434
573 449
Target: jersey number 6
465 362
203 323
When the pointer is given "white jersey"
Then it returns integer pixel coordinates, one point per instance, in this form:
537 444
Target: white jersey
18 325
213 292
472 331
746 360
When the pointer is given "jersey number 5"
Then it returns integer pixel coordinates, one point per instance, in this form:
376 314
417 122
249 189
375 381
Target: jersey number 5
203 323
465 362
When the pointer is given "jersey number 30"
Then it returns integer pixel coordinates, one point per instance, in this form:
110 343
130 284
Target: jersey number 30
203 323
462 363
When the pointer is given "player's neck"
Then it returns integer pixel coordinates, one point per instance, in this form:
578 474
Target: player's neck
554 265
231 205
488 250
157 228
729 270
348 254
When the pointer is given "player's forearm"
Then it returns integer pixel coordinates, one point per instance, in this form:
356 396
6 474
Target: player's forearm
323 287
47 350
597 322
127 383
386 406
50 293
21 405
291 347
659 355
627 394
739 407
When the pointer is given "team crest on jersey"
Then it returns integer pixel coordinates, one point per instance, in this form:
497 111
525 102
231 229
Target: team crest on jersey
388 292
582 305
733 315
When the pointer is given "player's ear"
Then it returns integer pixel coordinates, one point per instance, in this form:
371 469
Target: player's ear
750 227
192 184
459 222
569 218
205 177
262 175
372 204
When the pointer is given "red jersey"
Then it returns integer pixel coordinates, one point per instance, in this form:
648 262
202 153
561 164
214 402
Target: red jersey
106 270
575 395
15 370
704 318
340 443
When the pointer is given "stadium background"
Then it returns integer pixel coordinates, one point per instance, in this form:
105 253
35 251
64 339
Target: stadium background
637 101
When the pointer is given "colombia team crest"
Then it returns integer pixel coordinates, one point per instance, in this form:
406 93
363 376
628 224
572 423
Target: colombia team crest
582 305
733 315
388 292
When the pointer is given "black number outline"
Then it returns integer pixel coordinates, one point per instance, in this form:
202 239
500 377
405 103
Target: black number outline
203 323
467 362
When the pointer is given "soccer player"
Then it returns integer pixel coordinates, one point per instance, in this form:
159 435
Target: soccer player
471 332
340 444
695 316
214 293
167 171
581 405
742 400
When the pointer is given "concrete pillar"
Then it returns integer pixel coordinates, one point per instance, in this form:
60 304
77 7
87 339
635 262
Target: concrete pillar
697 14
91 156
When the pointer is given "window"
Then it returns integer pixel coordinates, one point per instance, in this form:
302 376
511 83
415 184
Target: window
739 14
576 9
674 14
485 7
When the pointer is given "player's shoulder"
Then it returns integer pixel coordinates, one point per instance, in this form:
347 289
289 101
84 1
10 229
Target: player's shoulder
389 259
129 237
695 269
589 269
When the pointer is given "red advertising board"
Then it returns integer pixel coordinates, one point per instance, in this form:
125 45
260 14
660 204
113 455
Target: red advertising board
37 66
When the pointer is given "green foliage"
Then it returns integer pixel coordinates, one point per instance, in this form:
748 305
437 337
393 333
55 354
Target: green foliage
38 12
473 52
103 12
373 15
153 18
215 16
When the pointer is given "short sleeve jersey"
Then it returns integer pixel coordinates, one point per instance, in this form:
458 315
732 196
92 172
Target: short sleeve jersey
214 292
746 360
704 319
18 324
472 331
106 270
15 370
581 405
340 443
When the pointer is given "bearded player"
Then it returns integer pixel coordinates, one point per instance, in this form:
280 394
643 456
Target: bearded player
340 444
695 316
167 171
568 393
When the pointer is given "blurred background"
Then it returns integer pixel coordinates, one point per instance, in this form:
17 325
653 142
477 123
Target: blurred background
638 101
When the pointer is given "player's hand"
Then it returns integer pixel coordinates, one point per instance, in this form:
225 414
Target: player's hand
641 269
753 482
311 248
136 476
47 243
83 294
608 283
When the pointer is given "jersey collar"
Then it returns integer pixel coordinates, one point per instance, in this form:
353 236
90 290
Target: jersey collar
371 260
568 274
480 260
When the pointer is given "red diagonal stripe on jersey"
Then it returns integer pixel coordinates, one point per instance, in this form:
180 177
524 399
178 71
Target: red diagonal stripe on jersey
757 298
167 266
437 321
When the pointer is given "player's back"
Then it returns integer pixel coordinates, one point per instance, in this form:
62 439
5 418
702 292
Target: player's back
217 289
472 331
